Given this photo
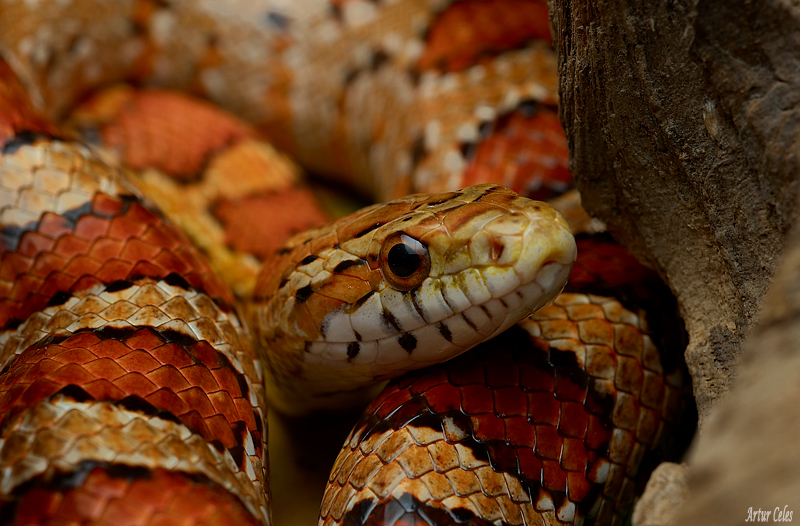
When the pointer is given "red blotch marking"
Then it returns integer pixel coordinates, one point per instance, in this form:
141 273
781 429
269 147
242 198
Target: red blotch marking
468 30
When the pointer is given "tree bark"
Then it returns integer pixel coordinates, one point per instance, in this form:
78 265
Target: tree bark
682 120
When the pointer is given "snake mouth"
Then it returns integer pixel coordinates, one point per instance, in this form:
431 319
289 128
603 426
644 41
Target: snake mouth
440 339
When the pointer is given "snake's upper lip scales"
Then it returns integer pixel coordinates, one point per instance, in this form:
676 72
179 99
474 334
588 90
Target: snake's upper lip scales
495 257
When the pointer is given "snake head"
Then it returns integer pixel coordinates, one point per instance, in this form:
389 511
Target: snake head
403 285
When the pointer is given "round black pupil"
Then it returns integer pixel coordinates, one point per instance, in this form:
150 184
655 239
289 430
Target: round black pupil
403 261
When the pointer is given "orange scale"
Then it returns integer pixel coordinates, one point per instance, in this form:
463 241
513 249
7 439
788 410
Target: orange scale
578 486
574 420
165 399
80 504
83 340
105 368
54 283
145 338
122 227
487 427
197 399
320 305
190 256
548 442
25 285
82 265
39 504
154 495
574 456
597 435
12 264
436 377
105 249
138 250
194 506
168 376
39 390
159 235
90 227
32 243
54 225
103 389
567 389
537 380
530 466
75 355
348 286
147 269
47 262
553 477
200 376
141 214
205 353
219 428
171 353
107 205
519 432
9 396
138 361
224 405
168 259
41 369
109 348
196 423
72 374
226 380
136 384
8 312
475 400
543 408
443 398
510 401
246 414
123 513
113 270
69 245
459 217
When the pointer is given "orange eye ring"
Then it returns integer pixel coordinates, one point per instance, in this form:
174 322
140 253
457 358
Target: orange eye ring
405 262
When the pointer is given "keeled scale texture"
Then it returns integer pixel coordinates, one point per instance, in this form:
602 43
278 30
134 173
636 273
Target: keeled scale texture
124 366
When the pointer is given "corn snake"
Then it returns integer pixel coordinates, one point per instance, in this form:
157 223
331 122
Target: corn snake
241 138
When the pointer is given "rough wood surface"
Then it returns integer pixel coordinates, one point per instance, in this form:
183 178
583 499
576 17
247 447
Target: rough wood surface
747 457
682 118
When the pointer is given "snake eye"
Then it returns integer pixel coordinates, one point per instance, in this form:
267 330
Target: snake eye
405 262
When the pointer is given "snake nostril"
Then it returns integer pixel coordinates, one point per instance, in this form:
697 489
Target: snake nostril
496 249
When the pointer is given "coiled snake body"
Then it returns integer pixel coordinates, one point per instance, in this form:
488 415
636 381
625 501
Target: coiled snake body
132 391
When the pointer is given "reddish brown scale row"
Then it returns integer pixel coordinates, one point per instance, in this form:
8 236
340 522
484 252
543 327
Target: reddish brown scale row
455 41
248 229
525 150
533 412
189 381
17 113
529 407
129 497
163 130
605 267
112 239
